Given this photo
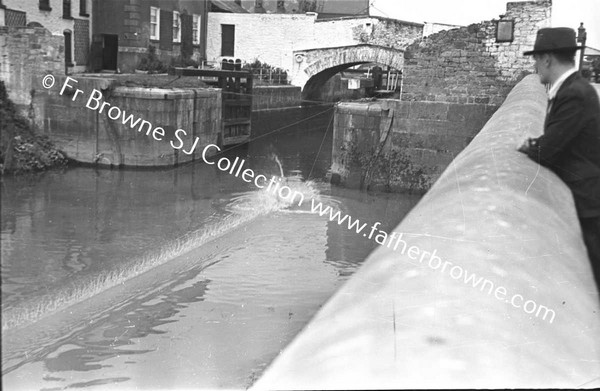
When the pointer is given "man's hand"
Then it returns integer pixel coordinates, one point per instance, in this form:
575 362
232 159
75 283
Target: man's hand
526 146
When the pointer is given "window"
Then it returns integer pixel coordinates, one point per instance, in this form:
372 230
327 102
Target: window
83 8
67 9
68 48
45 5
15 18
196 29
227 39
176 27
154 23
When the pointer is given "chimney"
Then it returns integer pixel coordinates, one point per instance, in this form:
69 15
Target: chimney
258 7
281 6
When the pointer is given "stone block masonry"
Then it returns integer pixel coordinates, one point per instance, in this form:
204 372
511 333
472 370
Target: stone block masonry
87 135
267 97
24 53
415 141
467 65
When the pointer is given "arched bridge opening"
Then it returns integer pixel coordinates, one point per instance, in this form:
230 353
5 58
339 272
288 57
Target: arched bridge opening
314 67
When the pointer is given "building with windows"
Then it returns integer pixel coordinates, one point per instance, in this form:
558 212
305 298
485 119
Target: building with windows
67 18
326 9
125 29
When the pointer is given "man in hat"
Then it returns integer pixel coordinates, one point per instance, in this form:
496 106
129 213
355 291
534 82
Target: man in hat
570 145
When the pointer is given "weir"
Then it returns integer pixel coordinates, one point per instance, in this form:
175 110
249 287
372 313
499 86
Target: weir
405 322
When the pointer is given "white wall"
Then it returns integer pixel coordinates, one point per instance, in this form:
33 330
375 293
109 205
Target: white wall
52 20
272 38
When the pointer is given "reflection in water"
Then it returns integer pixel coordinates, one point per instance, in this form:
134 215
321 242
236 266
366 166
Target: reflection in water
116 333
214 317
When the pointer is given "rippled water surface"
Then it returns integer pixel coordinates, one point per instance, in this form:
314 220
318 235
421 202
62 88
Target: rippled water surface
178 278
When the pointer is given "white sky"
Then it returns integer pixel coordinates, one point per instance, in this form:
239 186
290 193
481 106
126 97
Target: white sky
565 13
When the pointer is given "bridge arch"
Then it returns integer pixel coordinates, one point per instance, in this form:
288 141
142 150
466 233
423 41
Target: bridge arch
313 67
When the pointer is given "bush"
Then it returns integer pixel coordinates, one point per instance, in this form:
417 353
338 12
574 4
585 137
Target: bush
21 150
266 73
151 63
391 169
181 61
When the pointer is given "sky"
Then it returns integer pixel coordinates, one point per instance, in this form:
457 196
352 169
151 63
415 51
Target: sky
565 13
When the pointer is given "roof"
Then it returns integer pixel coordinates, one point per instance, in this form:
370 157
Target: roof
591 51
343 7
228 6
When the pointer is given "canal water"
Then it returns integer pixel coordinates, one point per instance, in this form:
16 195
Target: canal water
176 278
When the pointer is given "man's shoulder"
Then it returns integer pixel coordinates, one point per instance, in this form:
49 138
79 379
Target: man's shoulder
576 86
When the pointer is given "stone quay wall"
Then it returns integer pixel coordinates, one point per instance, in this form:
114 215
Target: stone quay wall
406 144
89 136
26 52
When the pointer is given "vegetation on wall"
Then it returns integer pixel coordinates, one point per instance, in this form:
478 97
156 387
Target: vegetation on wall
307 5
392 169
151 63
266 73
21 148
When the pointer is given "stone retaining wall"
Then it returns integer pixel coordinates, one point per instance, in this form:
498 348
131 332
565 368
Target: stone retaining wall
416 141
88 136
266 97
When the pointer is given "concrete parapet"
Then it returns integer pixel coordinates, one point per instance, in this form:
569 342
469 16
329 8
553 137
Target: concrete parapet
410 317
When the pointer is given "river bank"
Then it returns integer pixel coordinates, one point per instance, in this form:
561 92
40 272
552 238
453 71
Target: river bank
22 149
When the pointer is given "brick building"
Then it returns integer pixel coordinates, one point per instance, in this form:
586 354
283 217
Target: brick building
326 9
67 18
124 29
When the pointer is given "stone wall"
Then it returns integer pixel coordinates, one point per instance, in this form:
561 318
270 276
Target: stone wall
266 97
78 24
387 32
407 145
432 28
467 65
26 55
410 318
88 136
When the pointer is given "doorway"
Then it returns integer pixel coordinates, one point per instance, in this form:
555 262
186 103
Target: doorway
68 50
110 48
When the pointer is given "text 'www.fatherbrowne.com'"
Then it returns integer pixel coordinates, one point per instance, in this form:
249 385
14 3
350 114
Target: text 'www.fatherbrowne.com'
396 242
95 102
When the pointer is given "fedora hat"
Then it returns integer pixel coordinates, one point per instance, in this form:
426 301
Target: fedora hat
557 39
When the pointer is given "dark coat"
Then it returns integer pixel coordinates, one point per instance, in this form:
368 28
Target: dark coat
570 145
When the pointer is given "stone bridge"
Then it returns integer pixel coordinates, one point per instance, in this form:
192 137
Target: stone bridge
313 67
